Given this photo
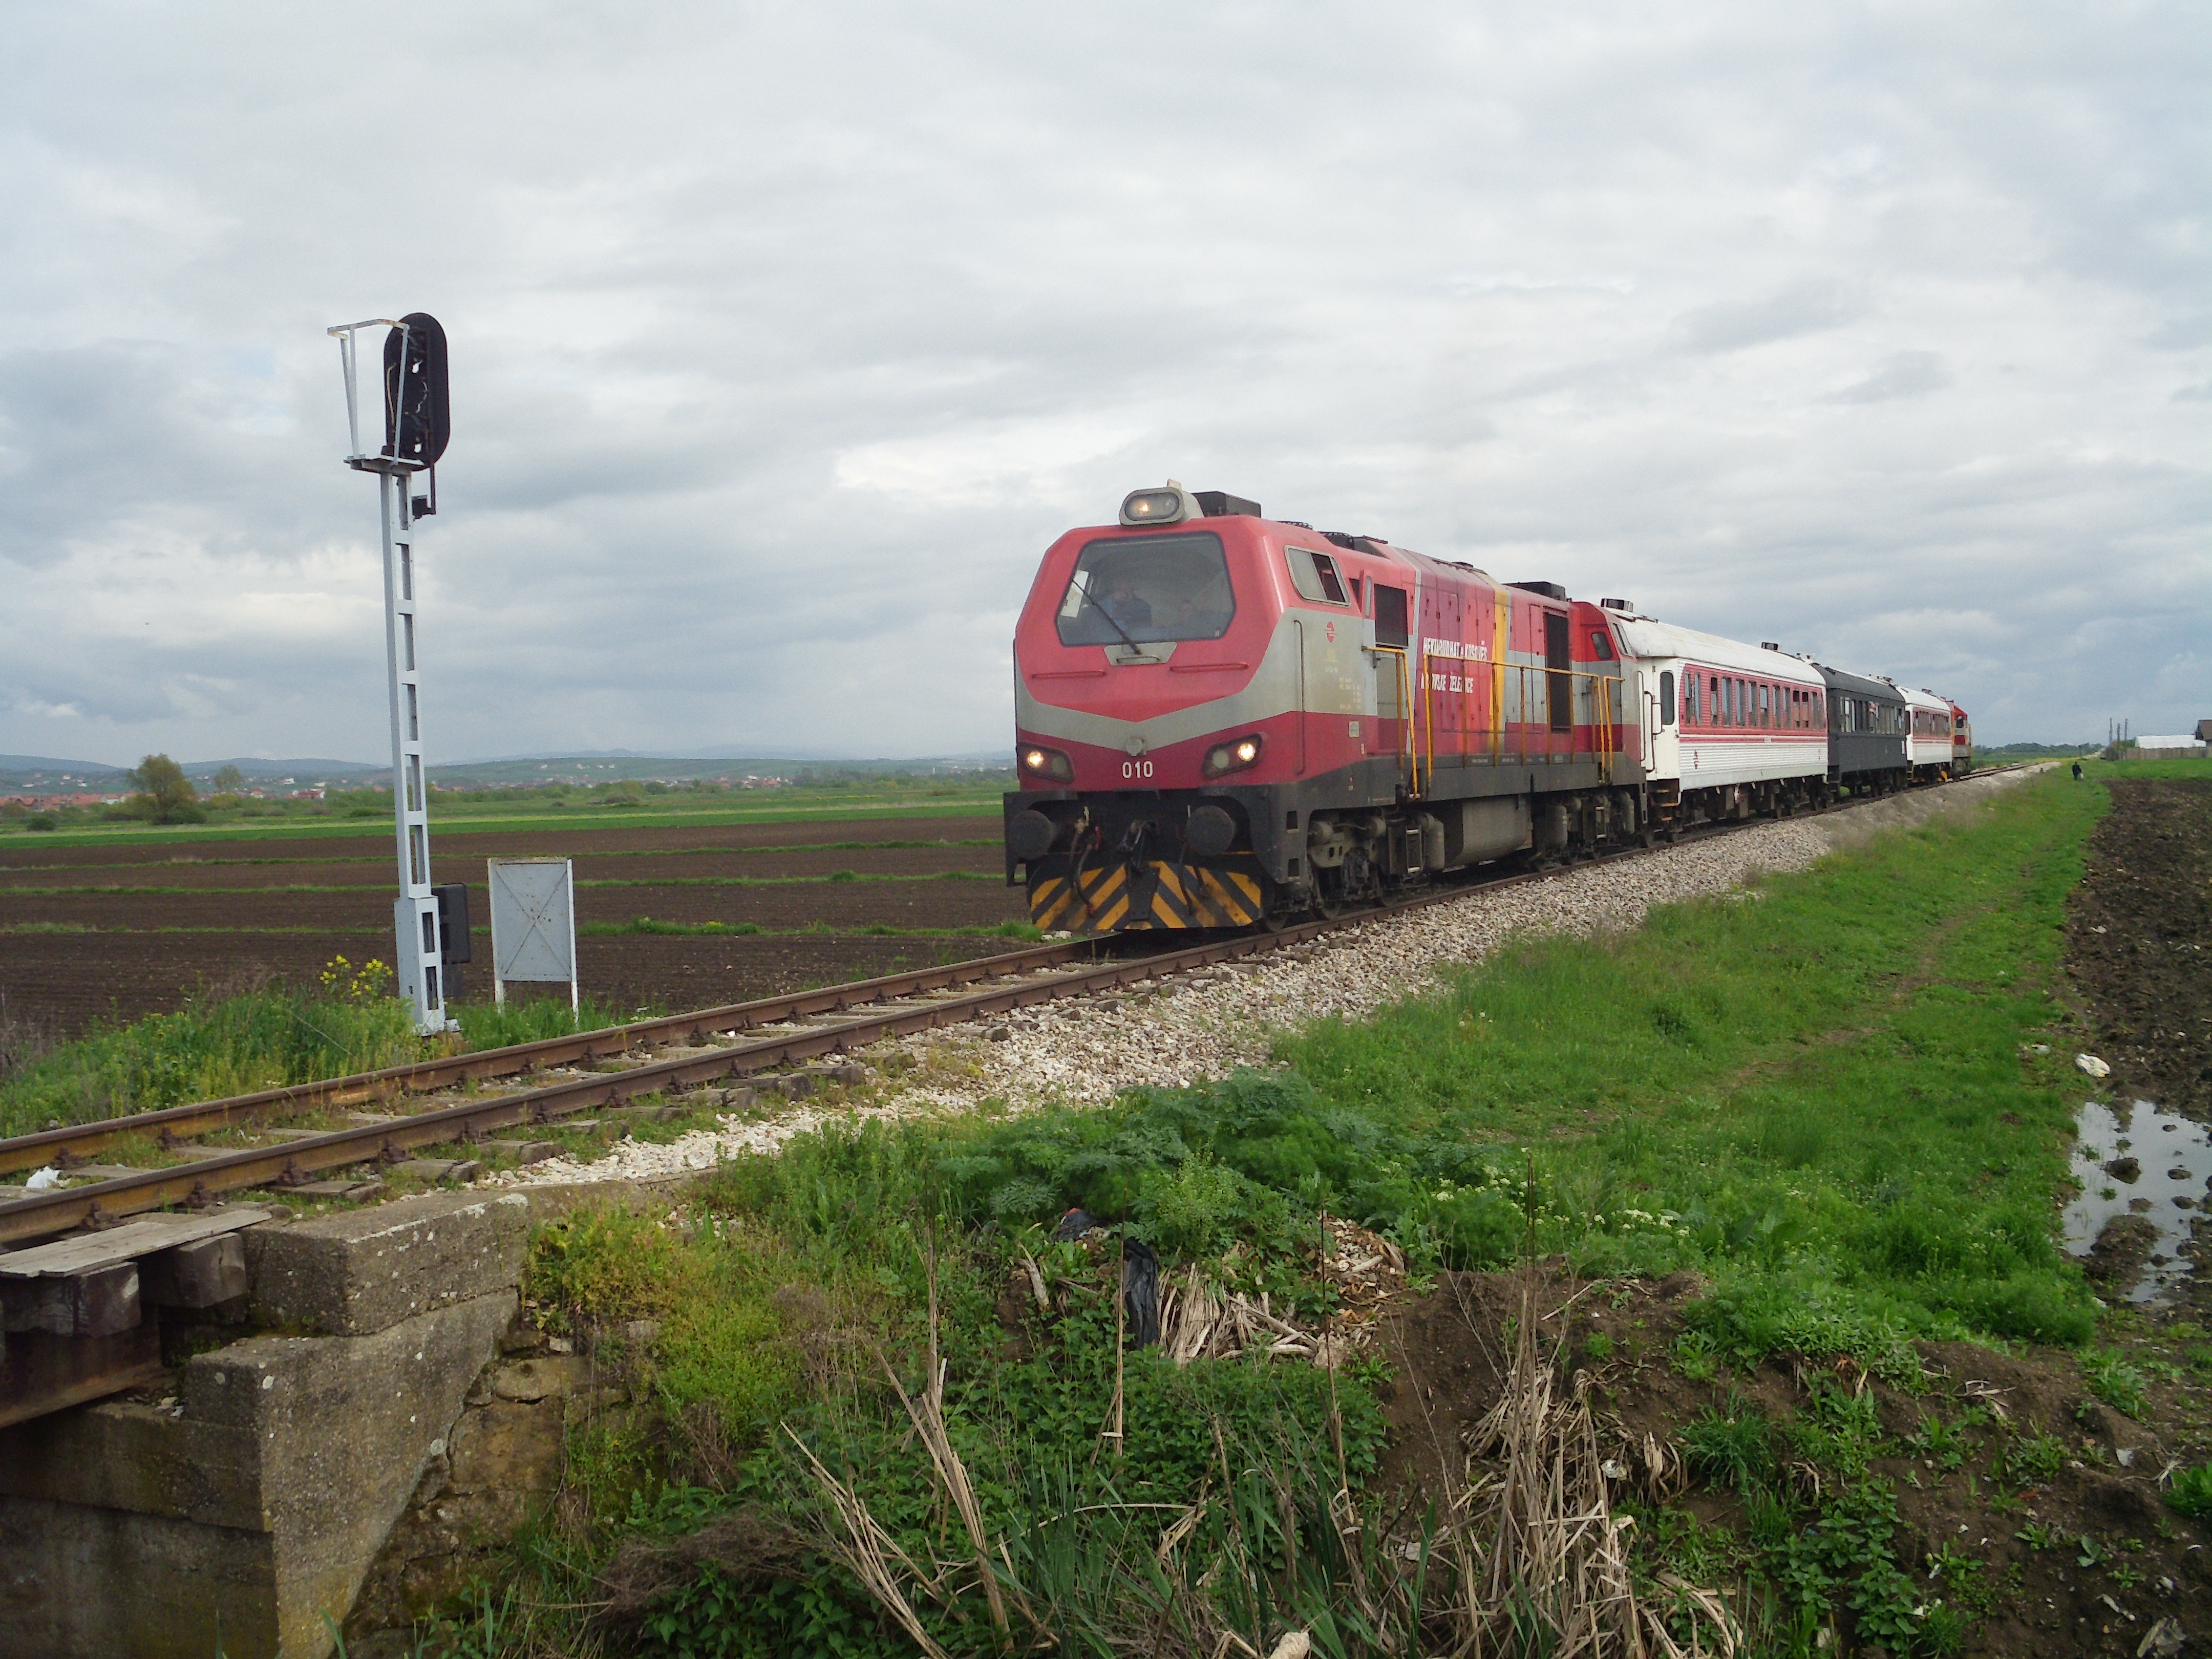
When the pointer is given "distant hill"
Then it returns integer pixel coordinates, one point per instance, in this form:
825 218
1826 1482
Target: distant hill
48 764
281 769
38 772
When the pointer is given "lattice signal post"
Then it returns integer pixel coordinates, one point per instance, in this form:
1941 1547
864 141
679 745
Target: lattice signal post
430 923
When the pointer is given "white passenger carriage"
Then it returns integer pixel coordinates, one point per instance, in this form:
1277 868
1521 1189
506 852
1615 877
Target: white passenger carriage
1731 728
1928 718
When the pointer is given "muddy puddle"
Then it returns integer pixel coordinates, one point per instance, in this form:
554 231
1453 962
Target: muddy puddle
2141 1163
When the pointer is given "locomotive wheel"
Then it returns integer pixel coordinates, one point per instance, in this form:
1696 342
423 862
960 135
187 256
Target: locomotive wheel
1329 902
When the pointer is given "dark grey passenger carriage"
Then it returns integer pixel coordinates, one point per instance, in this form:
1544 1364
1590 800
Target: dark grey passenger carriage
1868 729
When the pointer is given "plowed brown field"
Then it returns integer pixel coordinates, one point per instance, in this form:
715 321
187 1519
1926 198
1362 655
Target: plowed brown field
92 933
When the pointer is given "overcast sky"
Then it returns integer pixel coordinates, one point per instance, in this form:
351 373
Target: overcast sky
784 337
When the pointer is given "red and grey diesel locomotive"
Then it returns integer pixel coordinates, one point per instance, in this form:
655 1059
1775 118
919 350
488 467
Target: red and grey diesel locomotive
1223 720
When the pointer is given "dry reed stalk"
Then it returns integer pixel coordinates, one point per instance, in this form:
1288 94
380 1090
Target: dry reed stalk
1556 1550
1558 1553
1121 1346
869 1551
928 1416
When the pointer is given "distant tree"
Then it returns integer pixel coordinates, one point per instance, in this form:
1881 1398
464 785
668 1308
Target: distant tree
230 780
165 794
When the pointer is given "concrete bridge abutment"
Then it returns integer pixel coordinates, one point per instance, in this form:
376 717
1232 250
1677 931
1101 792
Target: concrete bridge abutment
241 1515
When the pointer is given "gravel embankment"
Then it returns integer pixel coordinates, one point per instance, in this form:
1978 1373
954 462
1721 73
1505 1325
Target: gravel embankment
1086 1050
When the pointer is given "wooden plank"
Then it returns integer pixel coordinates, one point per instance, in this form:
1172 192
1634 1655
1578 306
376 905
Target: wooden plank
46 1373
200 1274
125 1244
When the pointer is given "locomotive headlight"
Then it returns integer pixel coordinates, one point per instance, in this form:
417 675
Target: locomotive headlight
1171 505
1042 762
1232 756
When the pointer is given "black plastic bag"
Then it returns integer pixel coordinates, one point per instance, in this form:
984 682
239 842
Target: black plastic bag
1140 1292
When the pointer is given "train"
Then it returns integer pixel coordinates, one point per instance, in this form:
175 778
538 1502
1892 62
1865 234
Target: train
1226 721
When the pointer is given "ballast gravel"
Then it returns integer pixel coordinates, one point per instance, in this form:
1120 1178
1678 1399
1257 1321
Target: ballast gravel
1182 1030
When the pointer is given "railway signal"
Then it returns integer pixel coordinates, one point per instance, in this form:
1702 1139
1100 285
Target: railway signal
417 425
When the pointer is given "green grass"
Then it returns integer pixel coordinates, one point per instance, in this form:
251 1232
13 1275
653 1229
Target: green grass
209 1047
534 1019
450 818
1817 1098
2200 770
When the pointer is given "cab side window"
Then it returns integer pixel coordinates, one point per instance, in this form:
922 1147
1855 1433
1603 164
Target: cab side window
1667 696
1314 575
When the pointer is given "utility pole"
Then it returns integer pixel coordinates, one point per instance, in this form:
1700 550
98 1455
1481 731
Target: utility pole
417 425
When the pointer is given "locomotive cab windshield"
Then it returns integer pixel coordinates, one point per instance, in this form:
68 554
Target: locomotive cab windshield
1147 590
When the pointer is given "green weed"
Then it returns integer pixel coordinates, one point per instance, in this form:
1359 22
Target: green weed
1731 1446
2191 1493
2032 1459
534 1019
2119 1384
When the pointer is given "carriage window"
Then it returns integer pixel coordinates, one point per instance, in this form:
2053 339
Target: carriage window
1667 697
1766 704
1314 575
1148 589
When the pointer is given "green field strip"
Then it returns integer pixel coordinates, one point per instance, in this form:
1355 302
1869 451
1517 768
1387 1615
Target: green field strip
976 807
636 928
844 879
610 852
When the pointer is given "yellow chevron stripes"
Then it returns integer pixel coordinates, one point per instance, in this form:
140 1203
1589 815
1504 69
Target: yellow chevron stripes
1160 895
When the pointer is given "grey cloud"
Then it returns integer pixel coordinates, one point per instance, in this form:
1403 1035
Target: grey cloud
1904 375
1736 324
2181 333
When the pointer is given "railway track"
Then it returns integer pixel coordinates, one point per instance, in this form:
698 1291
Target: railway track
711 1045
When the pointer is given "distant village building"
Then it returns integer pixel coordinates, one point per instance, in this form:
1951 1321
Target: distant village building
50 803
2180 745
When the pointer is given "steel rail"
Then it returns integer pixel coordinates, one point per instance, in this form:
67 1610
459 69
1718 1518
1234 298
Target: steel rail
174 1123
199 1182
